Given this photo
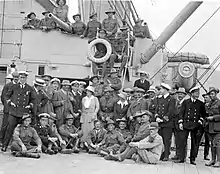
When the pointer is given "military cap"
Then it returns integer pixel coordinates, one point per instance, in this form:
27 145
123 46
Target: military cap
82 83
44 115
152 89
29 15
53 116
55 80
139 90
165 86
90 88
65 82
213 89
121 120
46 75
113 70
39 82
93 77
45 12
25 116
102 31
110 122
74 16
124 27
196 88
128 90
15 74
110 10
69 116
74 82
9 76
23 73
206 94
108 89
154 125
139 20
92 14
181 90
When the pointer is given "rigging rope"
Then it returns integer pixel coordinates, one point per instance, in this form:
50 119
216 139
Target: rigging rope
187 42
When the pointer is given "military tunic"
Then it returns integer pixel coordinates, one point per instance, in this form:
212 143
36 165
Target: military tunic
114 83
61 12
24 136
126 134
121 109
142 132
110 25
48 23
92 28
33 23
78 28
98 89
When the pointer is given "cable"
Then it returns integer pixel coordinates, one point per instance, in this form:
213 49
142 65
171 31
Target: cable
187 42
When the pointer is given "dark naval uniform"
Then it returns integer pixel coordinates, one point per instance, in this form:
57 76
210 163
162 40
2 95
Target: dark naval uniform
78 28
5 110
166 111
192 113
24 99
143 84
92 28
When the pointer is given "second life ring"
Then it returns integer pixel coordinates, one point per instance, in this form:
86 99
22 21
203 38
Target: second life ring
91 50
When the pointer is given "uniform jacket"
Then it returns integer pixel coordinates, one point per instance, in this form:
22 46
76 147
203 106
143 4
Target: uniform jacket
61 12
4 92
120 111
26 135
125 133
95 137
21 98
115 83
110 25
152 106
49 92
78 28
66 130
107 107
153 145
77 105
166 109
214 110
49 23
91 28
143 132
137 105
191 113
145 86
98 89
44 133
33 22
141 32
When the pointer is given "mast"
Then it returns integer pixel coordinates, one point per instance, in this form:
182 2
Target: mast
170 30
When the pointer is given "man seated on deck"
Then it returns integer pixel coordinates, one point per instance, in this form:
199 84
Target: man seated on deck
23 135
95 137
112 142
70 134
147 150
33 22
101 51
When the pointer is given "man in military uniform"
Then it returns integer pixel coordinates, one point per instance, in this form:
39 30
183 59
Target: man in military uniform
47 24
139 104
95 137
70 134
191 116
21 99
47 136
113 80
165 115
130 94
101 51
78 27
152 101
92 27
41 99
23 135
107 102
98 86
141 31
5 89
213 120
110 25
144 81
33 22
113 140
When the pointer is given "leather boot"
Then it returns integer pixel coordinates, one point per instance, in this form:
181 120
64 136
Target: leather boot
213 152
217 164
31 155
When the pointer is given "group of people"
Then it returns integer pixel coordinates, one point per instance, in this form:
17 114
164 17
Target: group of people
131 123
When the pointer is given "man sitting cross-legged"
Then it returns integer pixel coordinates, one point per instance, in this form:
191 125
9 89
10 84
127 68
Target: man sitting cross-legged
147 150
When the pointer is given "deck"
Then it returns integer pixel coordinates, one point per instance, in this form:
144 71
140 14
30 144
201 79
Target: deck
92 164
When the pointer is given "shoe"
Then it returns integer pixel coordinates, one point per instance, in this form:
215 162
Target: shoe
210 163
217 164
174 158
103 153
206 158
109 157
179 161
50 152
165 159
66 151
192 162
4 149
76 150
92 151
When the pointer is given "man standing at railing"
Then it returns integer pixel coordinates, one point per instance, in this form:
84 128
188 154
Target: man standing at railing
47 24
78 27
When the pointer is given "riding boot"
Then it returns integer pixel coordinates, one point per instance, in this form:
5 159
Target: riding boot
213 152
31 155
217 164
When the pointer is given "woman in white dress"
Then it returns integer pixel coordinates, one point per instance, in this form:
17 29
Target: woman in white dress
90 108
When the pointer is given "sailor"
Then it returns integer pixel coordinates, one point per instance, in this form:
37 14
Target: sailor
33 22
214 127
61 10
95 137
92 26
165 114
110 24
107 102
147 150
23 135
47 24
14 80
113 80
152 100
55 84
113 140
121 106
21 99
101 51
61 102
78 27
141 31
47 136
139 104
144 81
41 98
99 87
70 134
191 116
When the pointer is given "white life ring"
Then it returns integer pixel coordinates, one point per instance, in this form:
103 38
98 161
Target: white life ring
186 69
91 50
